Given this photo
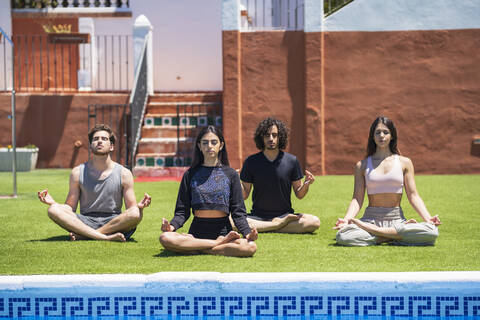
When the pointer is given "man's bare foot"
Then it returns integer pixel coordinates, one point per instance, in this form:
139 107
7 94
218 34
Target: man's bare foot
231 236
75 237
116 237
282 222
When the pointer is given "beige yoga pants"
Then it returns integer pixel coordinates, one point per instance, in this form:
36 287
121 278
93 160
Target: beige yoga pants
413 234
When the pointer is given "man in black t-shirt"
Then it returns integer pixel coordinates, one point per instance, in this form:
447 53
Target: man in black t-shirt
272 173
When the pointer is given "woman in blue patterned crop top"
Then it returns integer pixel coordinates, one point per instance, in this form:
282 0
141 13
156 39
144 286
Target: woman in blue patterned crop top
211 189
383 174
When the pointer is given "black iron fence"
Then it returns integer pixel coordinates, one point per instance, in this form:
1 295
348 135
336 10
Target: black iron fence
190 119
60 62
117 116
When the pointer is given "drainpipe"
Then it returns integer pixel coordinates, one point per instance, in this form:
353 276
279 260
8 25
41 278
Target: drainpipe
14 127
314 23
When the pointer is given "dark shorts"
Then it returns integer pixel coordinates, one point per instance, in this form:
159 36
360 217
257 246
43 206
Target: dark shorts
269 218
96 220
210 228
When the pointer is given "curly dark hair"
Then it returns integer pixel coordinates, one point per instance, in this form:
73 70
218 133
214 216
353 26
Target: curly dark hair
101 127
262 130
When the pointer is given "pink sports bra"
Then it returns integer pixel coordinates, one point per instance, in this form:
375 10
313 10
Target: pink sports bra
390 182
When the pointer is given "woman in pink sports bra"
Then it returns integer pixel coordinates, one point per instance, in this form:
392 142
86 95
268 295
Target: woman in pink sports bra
383 174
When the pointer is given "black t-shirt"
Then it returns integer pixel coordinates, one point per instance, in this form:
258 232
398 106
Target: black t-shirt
211 188
272 182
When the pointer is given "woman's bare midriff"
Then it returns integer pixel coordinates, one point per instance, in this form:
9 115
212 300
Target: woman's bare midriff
209 214
386 200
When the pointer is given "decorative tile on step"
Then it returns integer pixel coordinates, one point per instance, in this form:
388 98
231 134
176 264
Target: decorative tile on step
161 161
183 121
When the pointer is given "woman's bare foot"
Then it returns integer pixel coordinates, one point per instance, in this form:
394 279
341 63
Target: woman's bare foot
231 236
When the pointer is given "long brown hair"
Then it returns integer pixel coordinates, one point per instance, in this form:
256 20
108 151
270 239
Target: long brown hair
372 146
198 158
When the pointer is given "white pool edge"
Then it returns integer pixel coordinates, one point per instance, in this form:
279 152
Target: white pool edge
142 280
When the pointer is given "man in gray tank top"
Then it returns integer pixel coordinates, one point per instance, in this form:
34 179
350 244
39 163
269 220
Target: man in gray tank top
100 185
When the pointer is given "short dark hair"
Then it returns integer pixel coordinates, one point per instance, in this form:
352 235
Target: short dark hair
262 130
101 127
198 155
372 146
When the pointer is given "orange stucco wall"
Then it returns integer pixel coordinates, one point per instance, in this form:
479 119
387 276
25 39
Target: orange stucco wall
427 82
53 123
273 83
263 76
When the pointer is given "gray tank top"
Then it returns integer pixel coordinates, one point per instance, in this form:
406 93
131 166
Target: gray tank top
101 196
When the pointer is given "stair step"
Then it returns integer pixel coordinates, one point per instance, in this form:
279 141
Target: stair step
168 131
167 154
169 145
192 119
210 96
160 172
174 115
184 108
159 161
160 153
165 140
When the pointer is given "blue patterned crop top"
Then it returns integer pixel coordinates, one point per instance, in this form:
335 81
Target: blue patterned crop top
211 188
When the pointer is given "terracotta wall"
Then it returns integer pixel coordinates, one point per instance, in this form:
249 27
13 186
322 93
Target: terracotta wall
428 82
41 64
270 77
53 123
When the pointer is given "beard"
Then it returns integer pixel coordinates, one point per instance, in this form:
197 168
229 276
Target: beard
271 147
100 152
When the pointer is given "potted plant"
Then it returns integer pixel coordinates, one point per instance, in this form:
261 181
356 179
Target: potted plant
27 157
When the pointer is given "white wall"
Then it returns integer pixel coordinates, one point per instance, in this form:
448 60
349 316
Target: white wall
392 15
187 41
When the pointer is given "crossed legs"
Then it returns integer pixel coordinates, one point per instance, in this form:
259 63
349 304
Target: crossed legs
290 223
230 245
411 233
64 216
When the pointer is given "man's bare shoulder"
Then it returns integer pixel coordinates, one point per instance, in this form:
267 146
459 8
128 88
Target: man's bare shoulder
75 174
126 174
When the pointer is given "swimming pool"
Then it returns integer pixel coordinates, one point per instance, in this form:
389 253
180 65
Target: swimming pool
243 295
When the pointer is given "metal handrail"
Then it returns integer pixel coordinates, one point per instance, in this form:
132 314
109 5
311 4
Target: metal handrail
331 6
138 99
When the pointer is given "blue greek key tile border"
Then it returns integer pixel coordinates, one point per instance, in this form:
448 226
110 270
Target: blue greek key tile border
238 306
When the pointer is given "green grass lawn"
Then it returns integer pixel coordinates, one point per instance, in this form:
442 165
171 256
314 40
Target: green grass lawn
31 244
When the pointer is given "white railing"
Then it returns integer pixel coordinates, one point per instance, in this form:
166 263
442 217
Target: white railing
257 15
41 4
